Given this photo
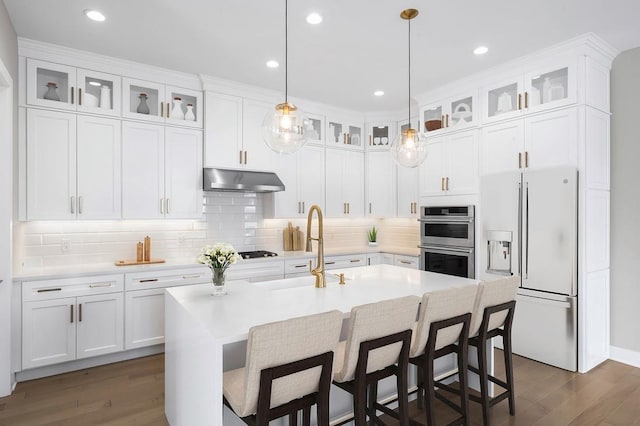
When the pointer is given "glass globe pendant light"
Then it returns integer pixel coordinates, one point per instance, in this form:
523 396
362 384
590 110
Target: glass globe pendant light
409 148
284 128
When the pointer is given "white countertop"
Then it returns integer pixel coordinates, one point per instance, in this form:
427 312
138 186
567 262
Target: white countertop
228 318
55 272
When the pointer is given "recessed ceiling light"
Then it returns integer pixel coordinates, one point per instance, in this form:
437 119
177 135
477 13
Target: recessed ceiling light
378 93
94 15
481 50
314 18
273 64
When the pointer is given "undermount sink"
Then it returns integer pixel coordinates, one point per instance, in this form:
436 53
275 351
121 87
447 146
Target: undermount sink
308 281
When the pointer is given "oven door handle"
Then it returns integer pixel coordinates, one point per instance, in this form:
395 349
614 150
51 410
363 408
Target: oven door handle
445 250
446 220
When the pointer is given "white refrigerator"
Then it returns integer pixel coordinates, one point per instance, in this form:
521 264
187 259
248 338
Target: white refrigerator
529 226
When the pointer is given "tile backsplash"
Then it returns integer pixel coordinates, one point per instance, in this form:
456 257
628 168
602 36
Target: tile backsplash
237 218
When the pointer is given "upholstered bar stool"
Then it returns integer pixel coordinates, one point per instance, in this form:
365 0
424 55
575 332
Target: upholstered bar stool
493 316
442 329
288 368
377 346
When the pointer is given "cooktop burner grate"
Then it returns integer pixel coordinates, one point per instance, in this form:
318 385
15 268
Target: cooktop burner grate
256 254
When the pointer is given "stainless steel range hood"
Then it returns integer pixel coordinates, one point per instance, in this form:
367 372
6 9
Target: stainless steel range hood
240 180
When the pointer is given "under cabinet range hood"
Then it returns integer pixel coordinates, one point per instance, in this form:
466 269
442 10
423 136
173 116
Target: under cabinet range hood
240 180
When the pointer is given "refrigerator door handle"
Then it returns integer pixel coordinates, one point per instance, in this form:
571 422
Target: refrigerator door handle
519 228
526 258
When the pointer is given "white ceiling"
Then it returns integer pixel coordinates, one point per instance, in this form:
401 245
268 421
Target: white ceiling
361 45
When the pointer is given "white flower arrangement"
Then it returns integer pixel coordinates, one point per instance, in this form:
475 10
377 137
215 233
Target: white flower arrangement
218 256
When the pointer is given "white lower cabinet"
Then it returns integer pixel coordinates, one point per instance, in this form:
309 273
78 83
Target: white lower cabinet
346 261
68 319
145 318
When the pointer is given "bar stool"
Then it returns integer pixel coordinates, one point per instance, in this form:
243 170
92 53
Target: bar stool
493 316
288 368
377 346
442 329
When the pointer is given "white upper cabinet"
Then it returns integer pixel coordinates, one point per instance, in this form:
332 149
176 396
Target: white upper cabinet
74 89
451 167
256 155
549 85
407 190
162 171
74 166
156 102
314 129
344 183
380 136
538 141
342 133
454 113
380 185
303 176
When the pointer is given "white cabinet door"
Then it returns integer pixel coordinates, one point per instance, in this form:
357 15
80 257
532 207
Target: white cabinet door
287 202
311 170
353 182
99 168
432 171
407 190
142 171
335 203
100 326
374 259
551 139
502 147
99 93
503 99
183 173
51 159
462 165
144 325
48 332
257 155
223 133
380 184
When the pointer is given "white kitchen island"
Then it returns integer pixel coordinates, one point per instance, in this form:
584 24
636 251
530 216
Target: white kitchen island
206 335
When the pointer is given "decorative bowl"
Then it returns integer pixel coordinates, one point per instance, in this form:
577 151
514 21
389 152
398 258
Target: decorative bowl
433 125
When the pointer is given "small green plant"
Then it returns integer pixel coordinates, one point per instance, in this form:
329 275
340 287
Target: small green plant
373 235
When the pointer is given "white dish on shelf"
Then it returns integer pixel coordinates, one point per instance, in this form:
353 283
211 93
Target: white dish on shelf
90 100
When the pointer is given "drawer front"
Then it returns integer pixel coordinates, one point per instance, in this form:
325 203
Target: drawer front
407 261
71 287
170 278
257 271
297 266
340 262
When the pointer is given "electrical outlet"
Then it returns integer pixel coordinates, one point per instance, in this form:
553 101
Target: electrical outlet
65 245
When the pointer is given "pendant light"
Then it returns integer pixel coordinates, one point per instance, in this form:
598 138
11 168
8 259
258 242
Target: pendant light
283 129
409 147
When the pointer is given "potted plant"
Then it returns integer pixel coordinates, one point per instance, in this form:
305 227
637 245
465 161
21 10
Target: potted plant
372 235
218 258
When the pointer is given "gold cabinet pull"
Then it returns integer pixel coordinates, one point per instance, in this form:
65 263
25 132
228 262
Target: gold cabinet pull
303 209
240 159
344 208
369 208
161 205
406 262
442 184
526 99
519 101
299 207
99 285
188 277
447 183
161 109
80 96
168 109
370 140
245 157
71 313
73 204
167 207
519 160
46 290
526 159
80 312
447 120
348 208
80 203
149 280
72 95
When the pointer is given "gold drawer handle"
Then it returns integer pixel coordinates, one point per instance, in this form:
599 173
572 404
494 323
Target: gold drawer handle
188 277
150 280
46 290
99 285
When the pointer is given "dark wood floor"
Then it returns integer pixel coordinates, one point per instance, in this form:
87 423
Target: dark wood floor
132 393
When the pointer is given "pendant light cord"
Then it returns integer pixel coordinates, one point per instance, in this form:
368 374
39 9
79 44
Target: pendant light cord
409 72
286 50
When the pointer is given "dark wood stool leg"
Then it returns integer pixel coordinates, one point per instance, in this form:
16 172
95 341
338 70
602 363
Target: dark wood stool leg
306 416
360 403
373 399
429 390
462 379
420 379
403 395
293 419
484 379
508 365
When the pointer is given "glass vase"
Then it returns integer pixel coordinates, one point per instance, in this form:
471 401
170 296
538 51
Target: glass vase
51 93
218 280
143 107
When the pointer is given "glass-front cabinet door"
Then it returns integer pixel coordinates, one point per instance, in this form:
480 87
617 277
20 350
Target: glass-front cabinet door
99 93
143 100
355 136
503 99
550 86
183 107
433 118
344 134
460 113
314 129
380 136
336 133
51 85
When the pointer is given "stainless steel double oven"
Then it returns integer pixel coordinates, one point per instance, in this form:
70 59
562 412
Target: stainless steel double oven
447 240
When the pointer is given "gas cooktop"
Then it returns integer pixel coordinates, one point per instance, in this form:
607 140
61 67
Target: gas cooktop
256 254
